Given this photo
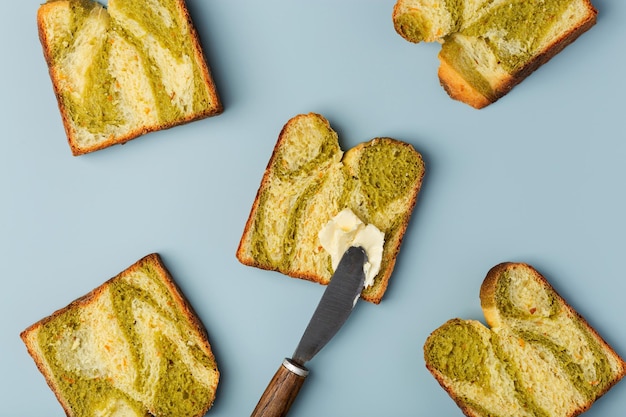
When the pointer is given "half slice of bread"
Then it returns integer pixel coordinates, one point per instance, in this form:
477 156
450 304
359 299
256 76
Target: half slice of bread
309 180
489 46
123 71
131 347
539 358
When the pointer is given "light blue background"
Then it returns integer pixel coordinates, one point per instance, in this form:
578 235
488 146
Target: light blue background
537 177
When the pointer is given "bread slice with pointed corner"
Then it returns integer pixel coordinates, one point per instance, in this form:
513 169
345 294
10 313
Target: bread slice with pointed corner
119 72
539 358
131 347
309 180
490 46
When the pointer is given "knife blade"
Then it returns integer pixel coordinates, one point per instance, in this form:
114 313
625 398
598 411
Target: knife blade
331 313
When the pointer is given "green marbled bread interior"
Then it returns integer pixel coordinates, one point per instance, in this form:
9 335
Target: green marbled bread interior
514 29
538 359
132 347
309 180
491 42
506 38
120 71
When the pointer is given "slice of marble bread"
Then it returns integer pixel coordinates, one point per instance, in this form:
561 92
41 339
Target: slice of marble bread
131 347
308 180
540 358
490 46
121 71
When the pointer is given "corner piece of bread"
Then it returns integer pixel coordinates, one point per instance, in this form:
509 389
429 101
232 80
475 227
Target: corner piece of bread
539 358
133 347
488 47
121 71
308 180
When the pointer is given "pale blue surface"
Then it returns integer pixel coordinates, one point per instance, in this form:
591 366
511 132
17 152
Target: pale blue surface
538 177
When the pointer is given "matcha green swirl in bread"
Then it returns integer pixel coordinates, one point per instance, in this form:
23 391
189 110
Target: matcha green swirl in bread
309 180
539 358
132 347
122 71
489 46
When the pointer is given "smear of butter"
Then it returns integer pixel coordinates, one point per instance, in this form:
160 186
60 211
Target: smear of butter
346 230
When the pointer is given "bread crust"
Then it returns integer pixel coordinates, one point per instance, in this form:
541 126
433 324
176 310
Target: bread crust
460 89
372 294
29 335
70 130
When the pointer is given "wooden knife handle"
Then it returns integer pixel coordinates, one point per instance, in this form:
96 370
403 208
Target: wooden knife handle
281 391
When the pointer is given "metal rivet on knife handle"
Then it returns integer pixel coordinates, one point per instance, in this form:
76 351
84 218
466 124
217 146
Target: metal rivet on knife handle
281 391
